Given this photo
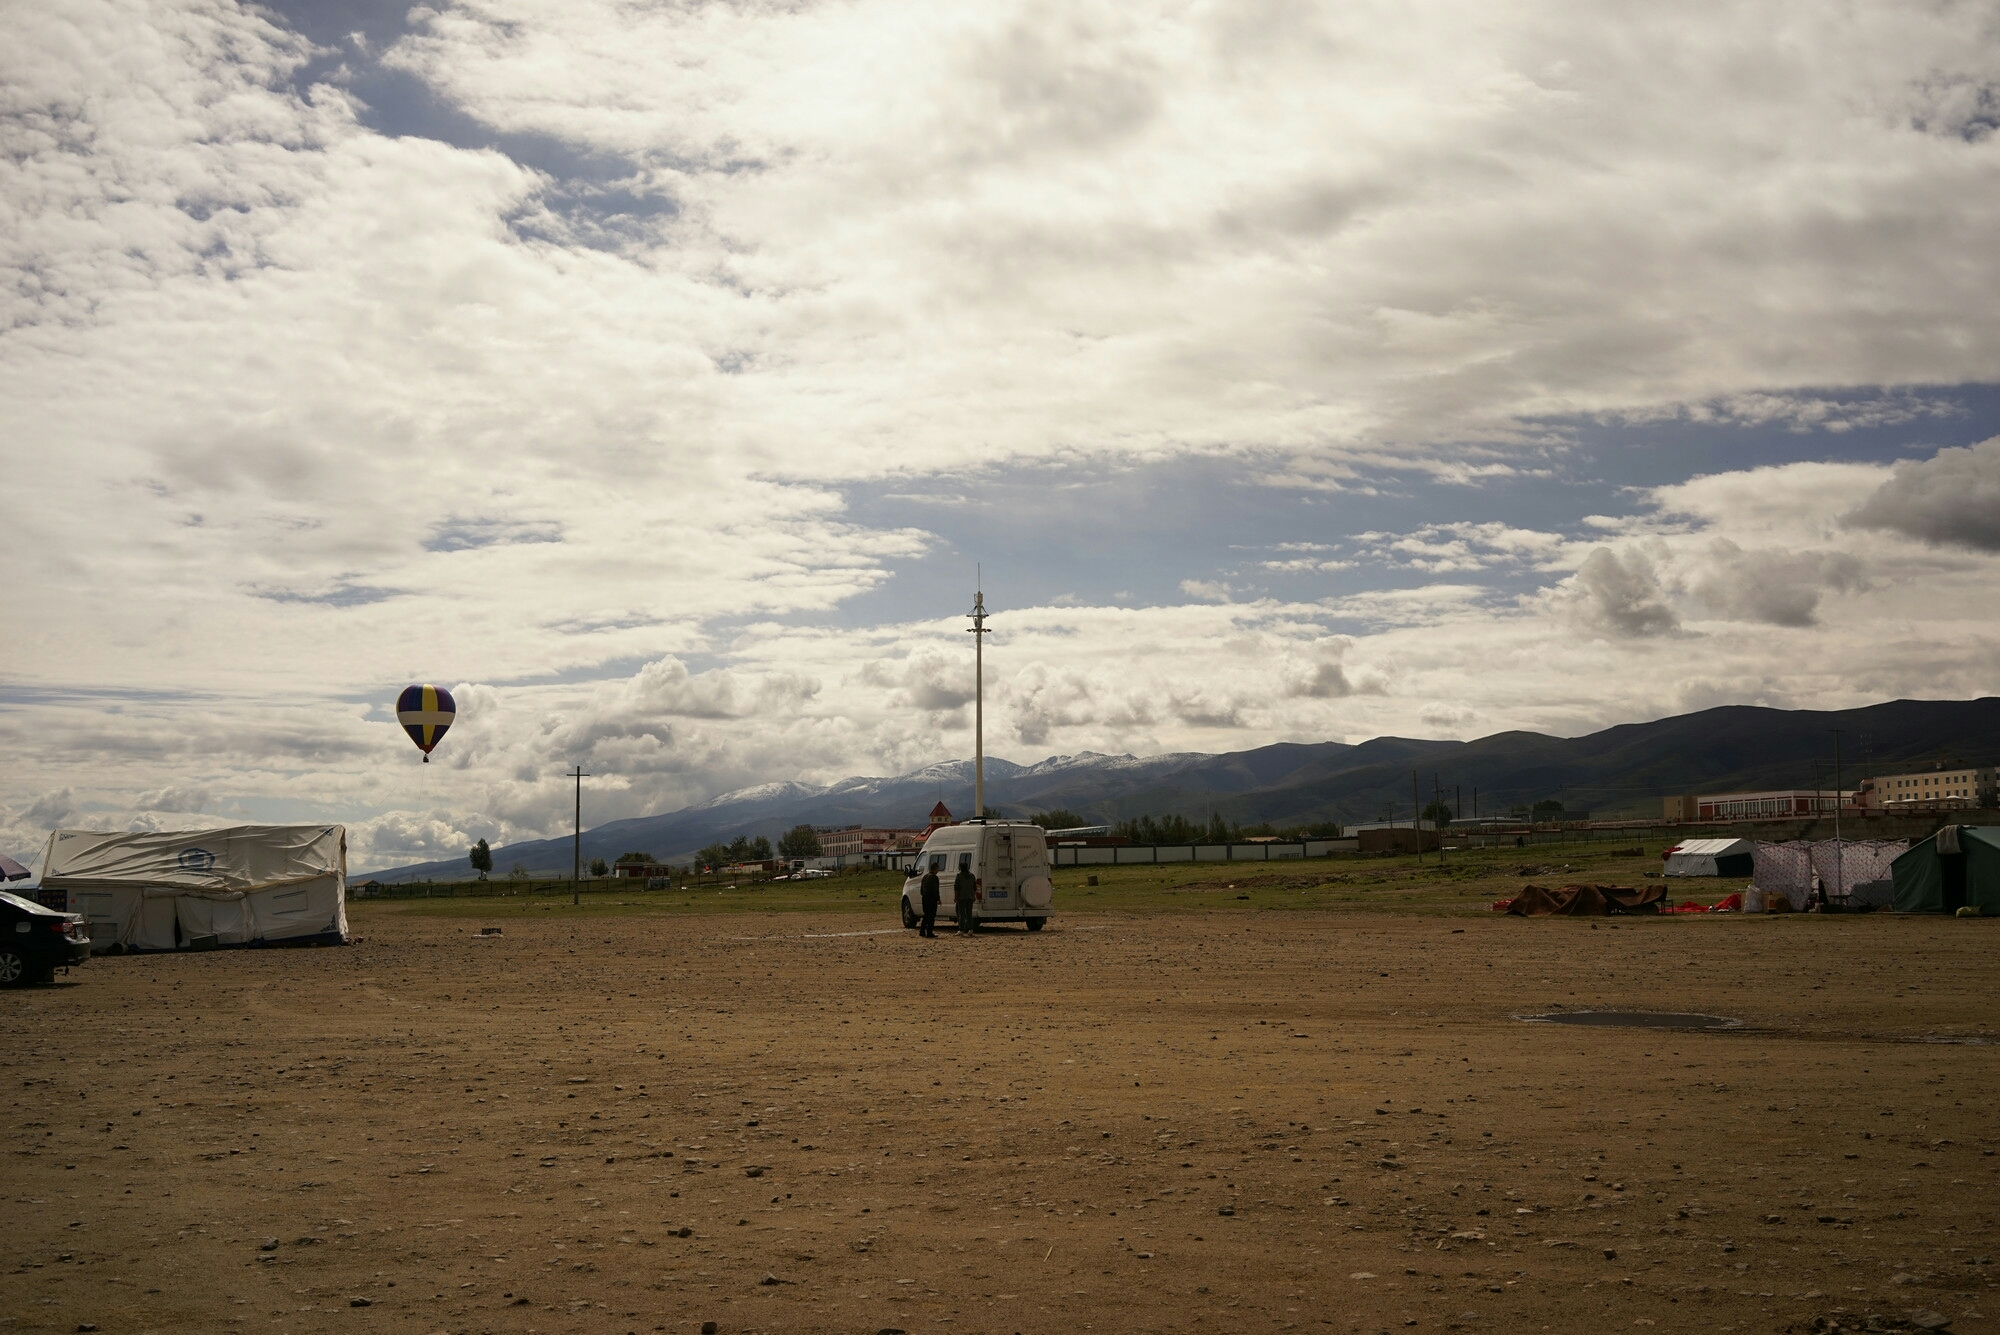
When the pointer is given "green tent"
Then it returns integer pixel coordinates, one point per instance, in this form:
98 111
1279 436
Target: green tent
1957 866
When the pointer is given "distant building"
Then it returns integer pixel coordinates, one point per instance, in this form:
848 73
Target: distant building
1960 787
1384 837
640 871
1776 805
857 840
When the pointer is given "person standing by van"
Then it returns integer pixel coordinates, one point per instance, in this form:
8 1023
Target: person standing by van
963 887
930 894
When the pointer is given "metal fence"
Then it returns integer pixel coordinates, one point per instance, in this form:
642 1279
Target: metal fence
504 888
1125 855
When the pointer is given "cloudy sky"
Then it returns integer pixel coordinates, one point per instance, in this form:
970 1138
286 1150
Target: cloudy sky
655 375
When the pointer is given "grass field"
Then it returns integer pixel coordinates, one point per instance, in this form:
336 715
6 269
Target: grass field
1466 883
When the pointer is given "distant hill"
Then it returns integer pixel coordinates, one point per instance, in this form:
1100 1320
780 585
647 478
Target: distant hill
1620 771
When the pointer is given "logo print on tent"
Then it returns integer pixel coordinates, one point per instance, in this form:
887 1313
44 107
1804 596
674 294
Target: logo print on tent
426 713
196 859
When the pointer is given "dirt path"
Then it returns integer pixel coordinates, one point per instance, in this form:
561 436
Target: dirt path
1219 1123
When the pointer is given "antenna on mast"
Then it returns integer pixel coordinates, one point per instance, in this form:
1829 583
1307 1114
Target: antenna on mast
979 633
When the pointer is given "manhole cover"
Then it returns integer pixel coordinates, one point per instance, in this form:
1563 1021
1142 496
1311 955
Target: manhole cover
1635 1020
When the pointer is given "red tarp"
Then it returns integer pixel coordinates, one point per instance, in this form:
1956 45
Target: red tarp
1731 904
1583 901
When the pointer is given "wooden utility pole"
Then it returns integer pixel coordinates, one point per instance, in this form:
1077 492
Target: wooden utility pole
576 841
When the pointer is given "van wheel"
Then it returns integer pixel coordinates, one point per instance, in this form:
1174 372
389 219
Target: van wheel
1035 924
909 914
13 969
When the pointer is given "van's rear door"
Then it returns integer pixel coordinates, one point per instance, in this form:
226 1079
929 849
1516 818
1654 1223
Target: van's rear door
997 874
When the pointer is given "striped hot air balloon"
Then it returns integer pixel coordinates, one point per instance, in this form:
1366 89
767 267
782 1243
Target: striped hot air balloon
426 713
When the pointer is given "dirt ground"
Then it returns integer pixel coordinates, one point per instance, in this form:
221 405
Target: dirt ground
1234 1120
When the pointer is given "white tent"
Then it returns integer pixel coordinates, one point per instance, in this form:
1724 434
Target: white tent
1711 857
1854 870
240 885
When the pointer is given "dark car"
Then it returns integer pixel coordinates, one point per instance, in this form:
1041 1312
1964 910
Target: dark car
35 942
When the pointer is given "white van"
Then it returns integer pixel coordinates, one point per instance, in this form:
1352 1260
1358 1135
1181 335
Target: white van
1011 866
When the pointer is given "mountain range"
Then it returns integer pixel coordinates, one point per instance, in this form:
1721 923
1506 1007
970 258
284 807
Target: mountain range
1620 771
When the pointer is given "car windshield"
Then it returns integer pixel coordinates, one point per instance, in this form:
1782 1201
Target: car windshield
20 903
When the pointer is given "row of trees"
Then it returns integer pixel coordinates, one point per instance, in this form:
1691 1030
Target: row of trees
801 841
481 858
740 849
1181 830
1440 814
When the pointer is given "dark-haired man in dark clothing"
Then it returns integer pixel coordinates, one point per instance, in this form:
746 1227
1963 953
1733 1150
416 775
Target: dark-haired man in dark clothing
930 894
964 888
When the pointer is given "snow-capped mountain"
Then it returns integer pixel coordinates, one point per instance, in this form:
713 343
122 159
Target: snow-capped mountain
1080 782
1623 769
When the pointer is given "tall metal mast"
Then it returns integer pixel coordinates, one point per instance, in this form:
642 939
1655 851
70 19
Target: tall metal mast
1839 884
979 633
576 846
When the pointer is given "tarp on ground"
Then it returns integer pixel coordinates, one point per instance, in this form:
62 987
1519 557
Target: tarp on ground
1584 901
1959 866
238 885
1711 857
1843 866
1727 904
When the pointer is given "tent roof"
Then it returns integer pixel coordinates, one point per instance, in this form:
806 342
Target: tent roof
1980 834
235 857
1713 848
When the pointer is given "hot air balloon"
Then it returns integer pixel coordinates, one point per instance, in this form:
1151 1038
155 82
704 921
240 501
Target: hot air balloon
426 713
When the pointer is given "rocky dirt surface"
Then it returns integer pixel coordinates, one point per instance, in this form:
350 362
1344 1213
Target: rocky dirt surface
1224 1122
